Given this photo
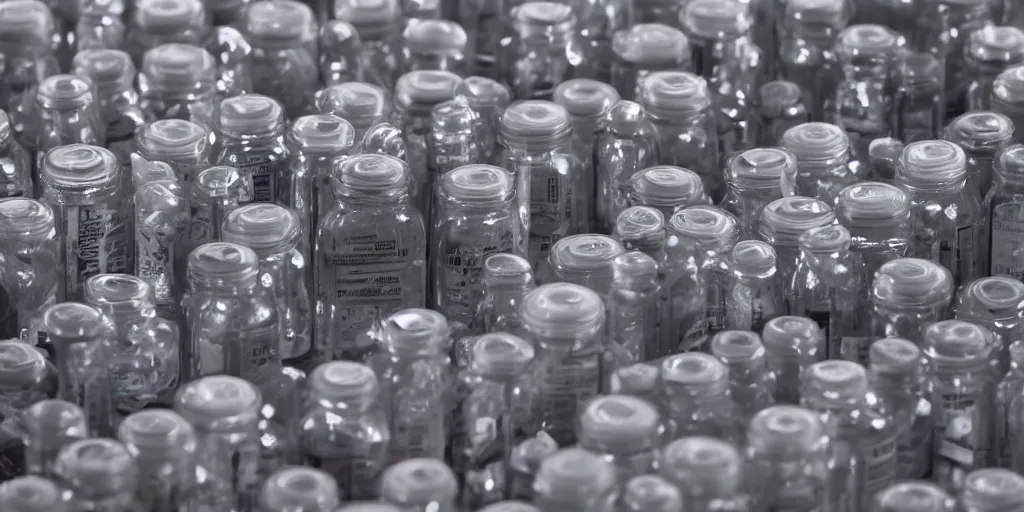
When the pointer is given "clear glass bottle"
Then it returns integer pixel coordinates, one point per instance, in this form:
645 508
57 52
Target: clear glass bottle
27 281
369 506
475 220
639 380
864 57
680 106
178 81
250 137
755 178
524 464
112 74
698 400
919 100
214 193
485 23
383 139
823 286
863 453
435 45
84 347
63 111
883 154
784 220
507 279
625 147
420 485
344 429
1008 98
31 493
822 151
299 488
907 295
708 472
575 480
633 316
26 377
16 176
183 145
944 211
100 25
415 379
154 22
992 490
751 382
982 135
340 52
453 137
225 412
642 228
379 25
995 303
27 40
48 426
1003 214
161 217
100 474
623 430
650 493
565 323
944 30
792 344
363 105
284 52
960 382
667 188
787 459
990 51
165 448
234 323
896 374
806 56
1009 448
536 137
545 49
914 496
370 256
586 260
644 48
780 106
756 291
489 99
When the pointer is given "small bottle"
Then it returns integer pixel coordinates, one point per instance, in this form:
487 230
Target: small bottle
642 228
680 106
100 474
645 48
474 220
907 295
161 218
84 346
780 106
32 493
178 81
565 323
698 400
787 458
982 135
624 430
28 283
489 99
507 279
633 316
650 493
960 380
756 292
545 50
947 36
792 344
919 107
708 472
453 137
1001 217
883 154
896 378
153 23
370 256
696 274
273 233
379 25
586 260
537 140
864 440
234 324
667 188
65 111
233 54
299 488
213 195
165 447
751 383
945 212
363 105
415 377
48 426
575 480
250 138
438 45
626 146
991 50
340 52
995 303
914 496
284 52
755 178
27 33
992 490
864 55
112 75
784 220
225 413
823 286
822 151
809 29
422 485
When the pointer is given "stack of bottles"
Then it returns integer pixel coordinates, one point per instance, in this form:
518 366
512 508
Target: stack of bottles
449 256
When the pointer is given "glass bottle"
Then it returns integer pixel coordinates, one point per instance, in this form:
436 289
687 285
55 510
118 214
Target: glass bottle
507 279
751 383
299 488
475 220
575 480
545 49
667 188
919 99
787 458
780 106
642 228
695 275
784 220
31 251
488 99
755 179
379 25
623 430
960 382
586 260
363 105
214 193
625 147
225 412
383 139
250 137
154 22
907 295
650 493
370 256
234 324
914 496
453 137
344 427
434 45
1009 450
990 51
31 493
864 56
565 323
415 378
995 303
756 292
822 151
16 176
485 23
178 81
708 472
525 463
100 474
992 490
639 380
315 143
896 378
792 344
284 53
183 145
644 48
944 211
633 316
1003 214
112 74
27 41
47 426
698 400
982 135
537 140
806 56
340 52
161 217
680 106
944 30
883 154
233 54
26 377
421 485
100 26
823 286
166 449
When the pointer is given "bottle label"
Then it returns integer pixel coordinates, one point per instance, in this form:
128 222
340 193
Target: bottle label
1007 252
250 354
96 243
261 181
958 435
153 260
880 464
356 476
568 384
551 214
463 269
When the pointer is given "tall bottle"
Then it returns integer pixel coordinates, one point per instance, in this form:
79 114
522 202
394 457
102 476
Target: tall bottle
708 472
183 145
896 377
865 56
751 383
340 52
420 484
907 295
645 48
363 105
944 31
284 52
822 152
166 450
160 220
633 316
1008 448
754 180
507 279
780 106
574 480
26 377
370 256
698 401
214 193
545 49
914 496
453 137
627 146
31 252
489 99
624 430
112 74
756 292
178 81
982 136
990 51
919 108
100 474
824 284
27 35
314 143
809 30
379 26
792 344
15 181
250 138
787 458
1002 215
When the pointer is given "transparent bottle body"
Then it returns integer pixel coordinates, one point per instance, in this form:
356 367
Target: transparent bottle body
566 381
417 390
863 102
262 164
904 396
15 170
229 469
290 75
945 228
28 286
632 322
944 30
484 21
198 107
690 140
499 309
709 416
85 380
963 409
284 276
753 302
810 295
693 297
918 111
349 443
379 59
1003 223
808 61
24 67
538 65
616 160
734 70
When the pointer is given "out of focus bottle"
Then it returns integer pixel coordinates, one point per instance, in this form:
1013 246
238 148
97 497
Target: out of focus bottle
379 25
27 36
625 147
645 48
990 51
250 137
982 136
27 282
284 60
178 81
545 49
780 106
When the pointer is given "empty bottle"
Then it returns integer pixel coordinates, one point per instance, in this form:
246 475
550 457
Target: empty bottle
824 284
507 279
982 135
787 458
545 49
624 430
1001 218
698 400
314 143
708 472
340 52
945 29
434 45
28 283
100 474
284 52
808 32
990 51
112 75
755 179
995 303
667 188
575 480
992 490
792 344
250 138
586 260
361 104
642 228
784 220
26 377
565 323
918 103
645 48
15 181
161 218
489 99
896 376
914 496
420 485
633 316
31 493
100 26
214 193
183 145
628 145
370 256
165 447
153 23
27 35
780 106
883 154
1009 449
756 292
379 26
751 383
907 295
822 151
178 81
453 137
47 427
864 56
